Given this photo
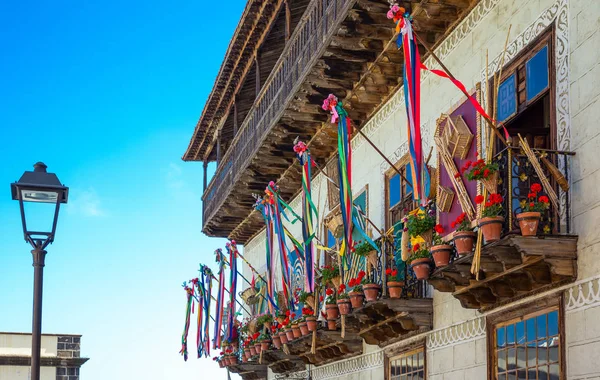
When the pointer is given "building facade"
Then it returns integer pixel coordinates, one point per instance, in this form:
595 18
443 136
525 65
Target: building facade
533 314
60 357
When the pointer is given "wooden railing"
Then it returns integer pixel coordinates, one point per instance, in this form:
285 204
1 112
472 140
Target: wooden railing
306 45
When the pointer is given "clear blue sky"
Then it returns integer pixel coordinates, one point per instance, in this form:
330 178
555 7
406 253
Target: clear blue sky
107 94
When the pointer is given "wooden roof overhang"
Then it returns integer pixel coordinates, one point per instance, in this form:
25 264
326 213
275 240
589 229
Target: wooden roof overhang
511 268
250 370
357 60
329 347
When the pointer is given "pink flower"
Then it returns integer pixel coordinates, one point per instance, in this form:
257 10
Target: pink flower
395 8
390 14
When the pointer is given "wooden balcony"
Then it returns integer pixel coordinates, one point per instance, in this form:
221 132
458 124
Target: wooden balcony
250 370
344 47
388 320
511 268
280 362
330 347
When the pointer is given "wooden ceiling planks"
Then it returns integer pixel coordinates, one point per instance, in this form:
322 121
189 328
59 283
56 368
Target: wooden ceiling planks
363 67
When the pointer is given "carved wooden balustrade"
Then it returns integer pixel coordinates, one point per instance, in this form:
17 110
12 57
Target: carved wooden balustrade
517 266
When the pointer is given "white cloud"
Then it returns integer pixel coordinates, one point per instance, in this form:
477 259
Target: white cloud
86 203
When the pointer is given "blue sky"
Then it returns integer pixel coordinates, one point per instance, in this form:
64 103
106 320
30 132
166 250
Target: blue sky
107 94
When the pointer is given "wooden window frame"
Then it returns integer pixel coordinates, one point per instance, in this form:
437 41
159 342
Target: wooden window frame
391 172
406 351
521 313
546 38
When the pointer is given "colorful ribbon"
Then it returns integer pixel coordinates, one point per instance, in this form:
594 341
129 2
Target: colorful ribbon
204 299
188 311
264 207
233 252
220 297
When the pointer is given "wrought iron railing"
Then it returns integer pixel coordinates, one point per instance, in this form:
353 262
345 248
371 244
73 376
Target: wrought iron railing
517 174
319 23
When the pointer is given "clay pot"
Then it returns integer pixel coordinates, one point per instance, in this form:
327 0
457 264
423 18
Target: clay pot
221 363
296 332
528 222
247 353
283 337
311 323
395 288
232 360
289 334
344 306
331 324
276 341
356 299
258 348
421 268
303 328
244 359
252 351
332 311
371 292
441 254
265 345
491 228
464 241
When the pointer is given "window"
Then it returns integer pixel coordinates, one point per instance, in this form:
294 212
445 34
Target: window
408 366
399 192
528 347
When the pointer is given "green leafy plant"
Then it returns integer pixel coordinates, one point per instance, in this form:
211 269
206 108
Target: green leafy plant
265 318
437 237
493 206
363 248
331 297
342 293
357 283
329 272
393 275
264 337
536 202
462 223
303 296
419 222
419 252
479 170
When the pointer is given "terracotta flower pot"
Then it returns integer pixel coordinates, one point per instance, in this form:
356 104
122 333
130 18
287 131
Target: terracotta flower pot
395 288
232 360
264 345
441 254
244 359
258 348
491 228
283 337
331 324
356 299
421 268
303 328
371 292
221 363
464 241
344 306
276 341
332 311
247 353
528 222
252 351
296 332
311 323
289 334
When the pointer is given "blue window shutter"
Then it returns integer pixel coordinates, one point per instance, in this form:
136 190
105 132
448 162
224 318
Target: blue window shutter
507 98
536 69
394 190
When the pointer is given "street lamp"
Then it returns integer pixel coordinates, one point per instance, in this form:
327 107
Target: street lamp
42 190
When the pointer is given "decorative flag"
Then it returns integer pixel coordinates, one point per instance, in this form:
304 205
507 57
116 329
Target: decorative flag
340 116
204 298
188 311
233 252
309 215
220 259
264 207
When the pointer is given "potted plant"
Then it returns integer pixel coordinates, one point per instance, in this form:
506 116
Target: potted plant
265 320
439 250
289 333
464 237
365 249
221 364
491 221
529 219
330 274
253 350
343 300
420 223
265 341
311 320
331 308
420 260
394 283
306 298
296 329
357 296
280 317
283 336
487 174
370 289
275 337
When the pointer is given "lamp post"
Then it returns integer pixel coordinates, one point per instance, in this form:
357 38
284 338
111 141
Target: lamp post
38 189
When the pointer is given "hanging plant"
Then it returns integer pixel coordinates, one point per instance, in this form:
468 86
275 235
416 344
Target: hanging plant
329 272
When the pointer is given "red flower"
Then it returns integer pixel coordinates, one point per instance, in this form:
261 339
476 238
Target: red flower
321 299
468 163
388 271
342 288
531 195
453 224
486 173
488 204
439 229
544 199
457 175
329 291
476 172
287 313
293 315
395 272
361 274
416 247
479 199
532 204
351 283
536 188
221 353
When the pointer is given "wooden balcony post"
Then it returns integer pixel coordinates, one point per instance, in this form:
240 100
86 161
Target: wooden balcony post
218 147
257 74
205 181
288 20
235 118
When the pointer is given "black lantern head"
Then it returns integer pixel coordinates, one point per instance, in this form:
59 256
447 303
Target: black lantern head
39 187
